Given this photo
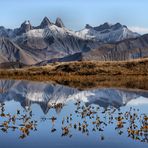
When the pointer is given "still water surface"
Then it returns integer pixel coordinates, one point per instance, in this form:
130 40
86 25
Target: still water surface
34 114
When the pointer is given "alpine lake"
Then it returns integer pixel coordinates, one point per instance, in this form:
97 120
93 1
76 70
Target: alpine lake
42 114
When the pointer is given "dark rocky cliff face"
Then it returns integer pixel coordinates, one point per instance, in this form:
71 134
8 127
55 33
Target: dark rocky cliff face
120 51
11 52
45 23
59 23
25 27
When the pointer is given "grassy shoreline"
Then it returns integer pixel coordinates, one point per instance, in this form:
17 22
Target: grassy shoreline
91 74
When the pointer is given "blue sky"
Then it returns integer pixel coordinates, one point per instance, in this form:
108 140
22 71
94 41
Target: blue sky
76 13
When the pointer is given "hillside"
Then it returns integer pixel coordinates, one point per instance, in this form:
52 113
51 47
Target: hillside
122 50
132 74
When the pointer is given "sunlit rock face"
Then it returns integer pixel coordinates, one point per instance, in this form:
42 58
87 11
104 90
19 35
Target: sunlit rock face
46 94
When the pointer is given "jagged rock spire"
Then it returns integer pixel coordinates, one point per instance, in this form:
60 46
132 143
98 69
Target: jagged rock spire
88 26
59 23
103 27
25 26
45 23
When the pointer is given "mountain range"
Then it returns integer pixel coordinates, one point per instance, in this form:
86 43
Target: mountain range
53 42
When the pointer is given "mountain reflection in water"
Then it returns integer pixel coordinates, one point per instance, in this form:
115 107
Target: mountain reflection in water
94 113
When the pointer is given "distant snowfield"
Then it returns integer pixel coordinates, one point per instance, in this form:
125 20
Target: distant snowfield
35 33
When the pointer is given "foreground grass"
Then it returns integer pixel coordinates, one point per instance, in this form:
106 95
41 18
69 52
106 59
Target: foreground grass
130 74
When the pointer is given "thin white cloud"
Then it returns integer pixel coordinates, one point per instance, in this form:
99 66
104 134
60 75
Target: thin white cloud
140 30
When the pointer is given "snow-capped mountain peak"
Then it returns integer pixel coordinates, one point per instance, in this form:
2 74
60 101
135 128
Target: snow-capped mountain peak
107 32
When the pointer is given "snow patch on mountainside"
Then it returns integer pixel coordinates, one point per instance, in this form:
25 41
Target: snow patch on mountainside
38 33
